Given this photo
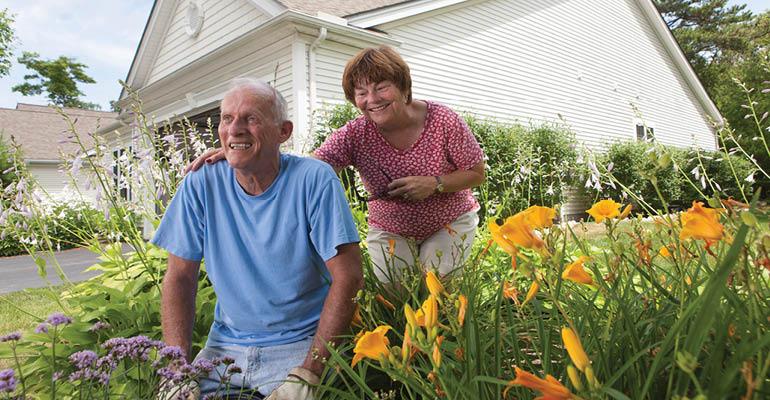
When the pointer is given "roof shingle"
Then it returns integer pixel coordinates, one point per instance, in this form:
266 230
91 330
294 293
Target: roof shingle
340 8
39 129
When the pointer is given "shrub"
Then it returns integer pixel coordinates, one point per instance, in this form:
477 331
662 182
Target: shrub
525 165
643 171
650 172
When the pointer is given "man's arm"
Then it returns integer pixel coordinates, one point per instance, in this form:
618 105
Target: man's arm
177 311
347 280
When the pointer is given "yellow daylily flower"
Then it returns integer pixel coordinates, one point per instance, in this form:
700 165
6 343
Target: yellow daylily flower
626 212
434 284
550 387
518 230
664 252
436 356
701 223
533 288
538 217
575 348
507 245
411 317
372 344
427 315
604 209
461 307
576 273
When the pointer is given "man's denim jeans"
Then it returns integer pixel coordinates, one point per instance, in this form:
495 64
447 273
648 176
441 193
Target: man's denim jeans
263 368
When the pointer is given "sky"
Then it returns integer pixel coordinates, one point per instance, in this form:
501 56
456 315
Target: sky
103 35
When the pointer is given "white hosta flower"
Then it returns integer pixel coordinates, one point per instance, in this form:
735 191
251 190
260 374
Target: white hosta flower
750 178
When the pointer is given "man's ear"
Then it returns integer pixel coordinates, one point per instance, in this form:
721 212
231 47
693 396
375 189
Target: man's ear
286 128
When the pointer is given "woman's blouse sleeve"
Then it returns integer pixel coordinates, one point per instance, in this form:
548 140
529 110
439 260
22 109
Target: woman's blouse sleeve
337 150
463 150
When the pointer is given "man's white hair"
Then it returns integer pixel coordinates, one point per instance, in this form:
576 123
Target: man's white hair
262 88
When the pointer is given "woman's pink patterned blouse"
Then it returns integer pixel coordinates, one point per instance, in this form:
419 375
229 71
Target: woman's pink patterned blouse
445 145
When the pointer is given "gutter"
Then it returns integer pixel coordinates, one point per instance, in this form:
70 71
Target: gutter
312 83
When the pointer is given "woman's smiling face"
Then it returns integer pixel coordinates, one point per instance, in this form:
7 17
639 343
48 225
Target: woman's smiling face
380 102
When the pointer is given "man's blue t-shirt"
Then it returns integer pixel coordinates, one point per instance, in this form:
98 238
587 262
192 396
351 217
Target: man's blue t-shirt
265 254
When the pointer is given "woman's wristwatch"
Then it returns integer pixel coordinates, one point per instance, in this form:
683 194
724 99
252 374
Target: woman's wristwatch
439 185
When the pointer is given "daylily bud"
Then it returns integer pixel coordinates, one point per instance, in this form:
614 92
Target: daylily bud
574 377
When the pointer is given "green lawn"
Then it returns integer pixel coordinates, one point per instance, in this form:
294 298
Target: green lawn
36 304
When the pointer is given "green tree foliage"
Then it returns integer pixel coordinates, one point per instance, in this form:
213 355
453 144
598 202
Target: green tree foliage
6 41
59 78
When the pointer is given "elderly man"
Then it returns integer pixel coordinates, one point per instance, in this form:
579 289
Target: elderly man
281 251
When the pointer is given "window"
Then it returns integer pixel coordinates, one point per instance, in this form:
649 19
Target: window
644 133
121 169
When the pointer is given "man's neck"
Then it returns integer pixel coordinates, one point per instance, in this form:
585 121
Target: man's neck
255 180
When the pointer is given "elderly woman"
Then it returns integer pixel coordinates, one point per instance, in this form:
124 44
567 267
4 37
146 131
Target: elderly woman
416 158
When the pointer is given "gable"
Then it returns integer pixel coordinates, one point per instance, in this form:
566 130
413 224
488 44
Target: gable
530 60
223 21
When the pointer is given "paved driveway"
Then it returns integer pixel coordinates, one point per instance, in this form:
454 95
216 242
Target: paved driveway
20 272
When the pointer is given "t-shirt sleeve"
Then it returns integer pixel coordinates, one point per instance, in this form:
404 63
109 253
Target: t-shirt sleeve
337 150
462 148
331 223
181 229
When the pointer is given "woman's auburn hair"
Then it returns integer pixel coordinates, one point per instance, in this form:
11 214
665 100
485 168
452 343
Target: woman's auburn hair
374 65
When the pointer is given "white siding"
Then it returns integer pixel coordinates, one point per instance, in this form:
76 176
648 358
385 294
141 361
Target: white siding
331 58
58 185
223 22
534 60
206 82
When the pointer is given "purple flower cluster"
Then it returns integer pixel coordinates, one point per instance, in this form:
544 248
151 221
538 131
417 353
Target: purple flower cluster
99 326
136 348
7 381
58 318
11 337
42 328
54 320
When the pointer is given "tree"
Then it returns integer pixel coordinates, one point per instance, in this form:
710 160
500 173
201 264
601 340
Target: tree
59 78
6 41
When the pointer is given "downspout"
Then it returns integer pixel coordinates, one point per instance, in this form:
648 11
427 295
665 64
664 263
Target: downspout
313 86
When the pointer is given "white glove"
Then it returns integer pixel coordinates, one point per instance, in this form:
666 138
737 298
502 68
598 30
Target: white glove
179 391
298 386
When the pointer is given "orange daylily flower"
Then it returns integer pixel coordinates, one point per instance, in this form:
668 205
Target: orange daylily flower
550 387
391 247
510 292
372 344
533 288
434 284
576 273
701 223
461 307
538 217
604 209
385 302
575 348
356 320
518 229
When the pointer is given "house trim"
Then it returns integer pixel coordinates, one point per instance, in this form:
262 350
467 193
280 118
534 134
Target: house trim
399 11
270 8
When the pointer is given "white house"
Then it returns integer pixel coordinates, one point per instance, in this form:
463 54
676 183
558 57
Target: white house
605 67
40 131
